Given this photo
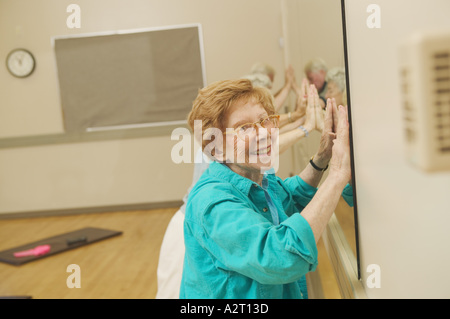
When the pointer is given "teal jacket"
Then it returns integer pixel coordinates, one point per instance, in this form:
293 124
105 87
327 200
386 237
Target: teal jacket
247 241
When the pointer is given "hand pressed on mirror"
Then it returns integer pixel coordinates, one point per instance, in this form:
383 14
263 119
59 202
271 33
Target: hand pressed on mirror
327 121
340 162
340 171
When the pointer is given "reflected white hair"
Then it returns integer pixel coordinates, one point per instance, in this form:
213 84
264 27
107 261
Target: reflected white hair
316 65
259 79
337 75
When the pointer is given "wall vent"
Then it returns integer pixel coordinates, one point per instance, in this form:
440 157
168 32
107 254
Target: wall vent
441 71
425 88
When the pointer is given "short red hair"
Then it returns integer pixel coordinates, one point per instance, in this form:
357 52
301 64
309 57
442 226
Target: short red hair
215 100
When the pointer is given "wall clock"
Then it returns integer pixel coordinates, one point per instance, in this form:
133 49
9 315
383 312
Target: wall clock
20 63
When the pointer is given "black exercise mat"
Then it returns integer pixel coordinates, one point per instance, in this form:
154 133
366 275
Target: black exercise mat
59 243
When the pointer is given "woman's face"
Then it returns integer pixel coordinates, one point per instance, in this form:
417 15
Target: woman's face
255 151
334 92
317 78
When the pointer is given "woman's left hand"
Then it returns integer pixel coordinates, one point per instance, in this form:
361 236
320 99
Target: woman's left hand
323 155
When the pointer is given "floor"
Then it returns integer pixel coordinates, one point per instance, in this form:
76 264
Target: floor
116 268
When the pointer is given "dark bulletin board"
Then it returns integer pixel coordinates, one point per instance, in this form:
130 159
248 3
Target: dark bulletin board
128 78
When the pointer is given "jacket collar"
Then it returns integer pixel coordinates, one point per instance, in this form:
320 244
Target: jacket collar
223 172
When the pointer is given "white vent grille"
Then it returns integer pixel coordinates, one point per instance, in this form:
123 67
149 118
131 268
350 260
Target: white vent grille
425 88
442 100
408 110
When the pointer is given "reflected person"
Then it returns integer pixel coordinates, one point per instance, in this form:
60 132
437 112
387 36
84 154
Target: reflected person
336 85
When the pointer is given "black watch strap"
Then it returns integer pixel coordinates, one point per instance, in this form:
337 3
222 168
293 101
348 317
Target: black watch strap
317 167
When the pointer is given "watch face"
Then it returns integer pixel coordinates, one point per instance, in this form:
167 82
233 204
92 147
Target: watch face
20 63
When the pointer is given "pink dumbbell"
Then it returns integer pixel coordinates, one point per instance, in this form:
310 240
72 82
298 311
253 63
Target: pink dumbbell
36 251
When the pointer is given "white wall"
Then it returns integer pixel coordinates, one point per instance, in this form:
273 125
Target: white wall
403 213
236 34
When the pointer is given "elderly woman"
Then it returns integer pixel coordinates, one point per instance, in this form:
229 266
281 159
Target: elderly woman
170 263
249 234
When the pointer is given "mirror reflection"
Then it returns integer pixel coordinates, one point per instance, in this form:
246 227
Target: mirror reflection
315 49
316 78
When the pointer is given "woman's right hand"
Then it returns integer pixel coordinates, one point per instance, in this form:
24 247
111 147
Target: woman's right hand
310 118
302 96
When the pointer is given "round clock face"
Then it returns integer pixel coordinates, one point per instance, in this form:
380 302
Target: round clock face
20 63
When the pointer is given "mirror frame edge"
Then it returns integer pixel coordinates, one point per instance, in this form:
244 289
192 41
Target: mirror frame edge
352 157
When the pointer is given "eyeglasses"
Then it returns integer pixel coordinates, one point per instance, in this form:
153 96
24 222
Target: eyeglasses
247 129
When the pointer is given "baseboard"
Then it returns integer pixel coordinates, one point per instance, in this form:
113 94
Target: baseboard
343 261
87 210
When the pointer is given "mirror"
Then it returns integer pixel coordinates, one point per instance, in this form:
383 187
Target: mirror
313 29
